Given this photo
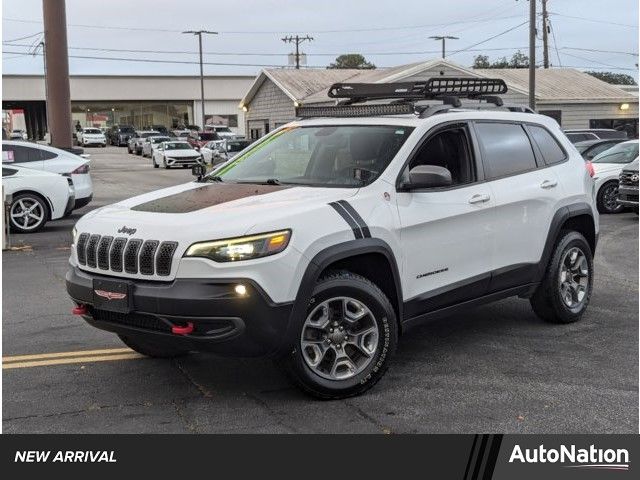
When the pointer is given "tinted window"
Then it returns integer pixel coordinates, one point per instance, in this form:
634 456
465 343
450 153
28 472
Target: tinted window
47 155
19 153
6 172
598 149
620 153
506 149
551 151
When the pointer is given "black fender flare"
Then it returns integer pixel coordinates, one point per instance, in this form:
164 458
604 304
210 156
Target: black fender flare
330 255
559 218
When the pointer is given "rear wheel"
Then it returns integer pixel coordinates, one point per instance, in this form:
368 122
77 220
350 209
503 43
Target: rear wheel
152 348
28 213
344 344
608 198
565 290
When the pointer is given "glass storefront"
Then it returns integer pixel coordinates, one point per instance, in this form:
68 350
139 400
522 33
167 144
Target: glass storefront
141 114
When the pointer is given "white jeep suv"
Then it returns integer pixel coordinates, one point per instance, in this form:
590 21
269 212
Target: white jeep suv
324 241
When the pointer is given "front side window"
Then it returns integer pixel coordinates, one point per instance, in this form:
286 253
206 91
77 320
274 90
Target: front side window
621 153
332 156
506 149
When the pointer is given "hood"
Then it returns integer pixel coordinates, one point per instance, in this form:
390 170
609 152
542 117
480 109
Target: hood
93 135
196 211
181 153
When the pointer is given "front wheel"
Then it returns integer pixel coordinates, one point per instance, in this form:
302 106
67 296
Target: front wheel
152 348
565 290
347 339
608 198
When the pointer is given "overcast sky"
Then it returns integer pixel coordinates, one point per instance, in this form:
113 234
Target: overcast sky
253 28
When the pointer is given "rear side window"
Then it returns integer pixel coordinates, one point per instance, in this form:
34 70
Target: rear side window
19 154
47 155
506 149
550 149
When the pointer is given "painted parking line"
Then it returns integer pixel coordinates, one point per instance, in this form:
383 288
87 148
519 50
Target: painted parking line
67 358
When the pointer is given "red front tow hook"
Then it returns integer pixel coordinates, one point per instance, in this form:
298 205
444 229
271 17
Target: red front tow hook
80 310
180 330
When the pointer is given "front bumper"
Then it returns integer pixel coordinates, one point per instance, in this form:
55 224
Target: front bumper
224 322
628 195
183 161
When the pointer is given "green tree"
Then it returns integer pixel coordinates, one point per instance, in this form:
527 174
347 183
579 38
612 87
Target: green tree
615 78
518 60
481 61
352 60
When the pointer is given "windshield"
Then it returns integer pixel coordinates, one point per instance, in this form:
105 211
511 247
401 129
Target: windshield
127 130
177 146
236 146
148 134
159 139
92 130
208 136
340 156
620 153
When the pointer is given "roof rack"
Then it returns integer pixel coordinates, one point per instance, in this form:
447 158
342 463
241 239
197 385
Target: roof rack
404 95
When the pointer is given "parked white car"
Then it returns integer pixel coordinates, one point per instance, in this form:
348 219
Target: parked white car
607 166
18 135
223 131
173 154
91 136
136 142
150 144
51 159
36 197
211 149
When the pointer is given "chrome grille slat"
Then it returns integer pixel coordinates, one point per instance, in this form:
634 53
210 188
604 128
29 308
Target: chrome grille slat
133 256
92 245
103 252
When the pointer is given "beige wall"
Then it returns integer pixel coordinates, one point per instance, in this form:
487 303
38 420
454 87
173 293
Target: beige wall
269 105
577 115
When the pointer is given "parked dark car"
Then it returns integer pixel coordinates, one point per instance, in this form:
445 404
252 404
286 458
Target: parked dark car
119 135
628 186
590 148
162 129
581 134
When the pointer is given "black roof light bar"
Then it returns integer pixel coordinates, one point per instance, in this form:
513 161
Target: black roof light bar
404 95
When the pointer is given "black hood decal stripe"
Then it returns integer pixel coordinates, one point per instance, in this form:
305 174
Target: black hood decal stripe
355 221
205 196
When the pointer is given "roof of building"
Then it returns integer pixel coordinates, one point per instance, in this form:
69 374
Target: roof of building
560 84
554 85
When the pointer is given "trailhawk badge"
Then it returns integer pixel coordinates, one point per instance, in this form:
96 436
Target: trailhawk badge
110 295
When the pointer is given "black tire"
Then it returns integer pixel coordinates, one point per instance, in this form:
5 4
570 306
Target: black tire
138 152
339 284
604 199
164 164
152 348
28 200
129 149
547 301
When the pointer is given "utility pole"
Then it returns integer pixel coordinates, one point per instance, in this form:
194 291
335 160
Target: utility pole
199 34
444 38
532 54
297 40
545 34
58 102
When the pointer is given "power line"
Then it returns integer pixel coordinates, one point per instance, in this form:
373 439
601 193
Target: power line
594 61
490 38
600 51
595 20
23 38
555 43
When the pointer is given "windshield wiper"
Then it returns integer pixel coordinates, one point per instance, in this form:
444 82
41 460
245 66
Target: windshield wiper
212 178
268 181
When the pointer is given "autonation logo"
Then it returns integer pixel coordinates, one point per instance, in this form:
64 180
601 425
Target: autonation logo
573 457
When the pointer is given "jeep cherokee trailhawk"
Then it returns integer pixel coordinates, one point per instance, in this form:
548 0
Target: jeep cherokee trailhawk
325 240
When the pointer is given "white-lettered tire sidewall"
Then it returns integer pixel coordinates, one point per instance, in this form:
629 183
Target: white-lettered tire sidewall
387 339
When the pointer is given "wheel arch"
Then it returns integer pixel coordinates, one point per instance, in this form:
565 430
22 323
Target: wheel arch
577 217
356 256
41 195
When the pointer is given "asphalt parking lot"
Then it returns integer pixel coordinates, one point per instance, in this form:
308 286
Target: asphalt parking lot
494 369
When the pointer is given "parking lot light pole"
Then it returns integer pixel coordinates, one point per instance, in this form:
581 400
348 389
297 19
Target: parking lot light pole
199 34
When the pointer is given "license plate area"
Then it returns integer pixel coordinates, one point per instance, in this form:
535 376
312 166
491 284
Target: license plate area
112 295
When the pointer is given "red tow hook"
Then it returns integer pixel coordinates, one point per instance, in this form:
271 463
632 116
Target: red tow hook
80 310
180 330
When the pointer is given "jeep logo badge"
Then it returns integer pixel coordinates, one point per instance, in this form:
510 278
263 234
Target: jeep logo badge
127 230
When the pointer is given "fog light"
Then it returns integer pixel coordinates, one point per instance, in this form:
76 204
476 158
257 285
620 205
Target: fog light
241 290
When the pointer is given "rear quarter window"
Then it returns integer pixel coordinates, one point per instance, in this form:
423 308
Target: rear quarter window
506 149
549 147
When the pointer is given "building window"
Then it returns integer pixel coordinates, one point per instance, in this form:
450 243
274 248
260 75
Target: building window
629 125
255 133
555 114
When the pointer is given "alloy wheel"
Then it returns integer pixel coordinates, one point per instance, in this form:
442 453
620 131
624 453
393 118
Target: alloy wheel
610 198
339 338
574 278
27 213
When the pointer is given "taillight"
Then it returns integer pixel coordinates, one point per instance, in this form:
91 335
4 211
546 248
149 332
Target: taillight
84 168
590 169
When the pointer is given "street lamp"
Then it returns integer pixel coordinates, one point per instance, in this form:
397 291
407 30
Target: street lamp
199 34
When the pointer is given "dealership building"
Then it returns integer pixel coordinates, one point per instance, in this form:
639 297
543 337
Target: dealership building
141 101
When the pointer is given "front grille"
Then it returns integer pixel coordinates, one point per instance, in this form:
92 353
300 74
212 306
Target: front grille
133 256
626 178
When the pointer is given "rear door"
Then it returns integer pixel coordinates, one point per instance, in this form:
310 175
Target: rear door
526 193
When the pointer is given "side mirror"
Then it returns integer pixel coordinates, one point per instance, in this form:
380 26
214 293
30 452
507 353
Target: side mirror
198 170
428 176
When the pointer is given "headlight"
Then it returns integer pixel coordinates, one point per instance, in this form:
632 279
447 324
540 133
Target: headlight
241 248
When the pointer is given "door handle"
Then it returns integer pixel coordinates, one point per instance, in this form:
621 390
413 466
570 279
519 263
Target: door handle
548 184
479 198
